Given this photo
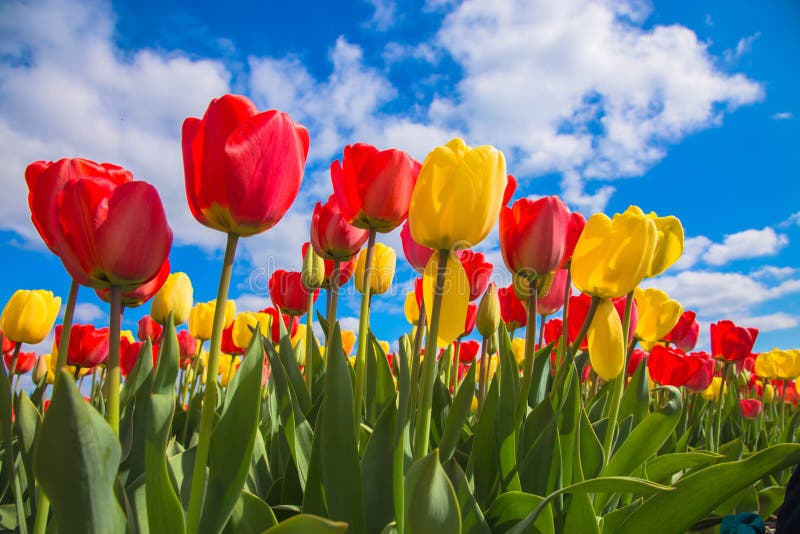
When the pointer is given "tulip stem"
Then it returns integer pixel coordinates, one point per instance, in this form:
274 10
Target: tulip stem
415 357
210 399
363 331
586 323
783 404
66 326
309 363
562 345
482 380
456 360
333 294
619 382
113 380
527 371
190 396
423 427
720 406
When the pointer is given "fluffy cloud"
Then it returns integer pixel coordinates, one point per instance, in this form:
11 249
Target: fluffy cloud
87 312
747 244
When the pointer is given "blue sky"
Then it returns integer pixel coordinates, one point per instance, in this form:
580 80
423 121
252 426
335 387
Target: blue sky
684 108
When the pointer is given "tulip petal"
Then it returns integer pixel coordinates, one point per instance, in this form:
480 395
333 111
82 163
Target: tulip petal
455 297
606 343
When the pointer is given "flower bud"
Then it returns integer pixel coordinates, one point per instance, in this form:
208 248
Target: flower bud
489 312
491 344
381 274
313 274
40 369
175 296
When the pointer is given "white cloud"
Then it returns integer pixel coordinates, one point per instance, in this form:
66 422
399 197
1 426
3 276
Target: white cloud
770 322
746 244
87 312
744 46
693 250
782 115
383 16
349 323
776 273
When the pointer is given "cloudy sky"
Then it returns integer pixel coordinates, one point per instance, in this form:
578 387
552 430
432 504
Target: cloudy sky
684 108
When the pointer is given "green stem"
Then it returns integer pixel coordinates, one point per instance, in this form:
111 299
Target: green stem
619 382
42 511
423 428
562 345
483 370
66 326
9 442
94 377
309 367
783 405
415 358
195 380
114 377
720 406
456 359
527 371
542 318
210 399
333 290
363 332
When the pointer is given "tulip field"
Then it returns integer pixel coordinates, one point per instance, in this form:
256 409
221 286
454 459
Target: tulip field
572 400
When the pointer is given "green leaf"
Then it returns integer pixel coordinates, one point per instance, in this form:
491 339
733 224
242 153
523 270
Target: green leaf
769 499
591 450
233 439
376 470
612 520
484 461
308 524
140 373
569 427
384 391
251 515
75 460
289 361
505 422
27 424
341 472
402 459
8 516
164 511
696 495
636 398
541 375
512 507
580 516
457 415
472 519
661 468
431 504
541 460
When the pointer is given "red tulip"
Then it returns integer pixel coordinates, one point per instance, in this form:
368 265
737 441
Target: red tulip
129 354
554 299
25 362
533 235
511 186
686 331
478 272
47 180
472 316
702 378
417 255
149 329
345 269
731 342
750 408
576 224
287 291
552 331
332 236
671 367
143 293
8 345
243 168
291 322
88 346
187 346
227 346
637 357
418 291
468 350
511 309
579 307
373 188
112 237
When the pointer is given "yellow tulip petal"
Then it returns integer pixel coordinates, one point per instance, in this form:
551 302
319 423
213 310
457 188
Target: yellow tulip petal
669 247
455 297
606 343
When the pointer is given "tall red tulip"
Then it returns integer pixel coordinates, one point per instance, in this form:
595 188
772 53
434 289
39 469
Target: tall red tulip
686 331
143 293
702 378
750 408
511 309
553 300
478 271
671 367
468 350
149 329
332 236
417 255
637 357
88 346
8 345
373 187
187 346
242 168
129 354
576 224
731 342
25 362
291 322
552 331
227 345
346 269
287 291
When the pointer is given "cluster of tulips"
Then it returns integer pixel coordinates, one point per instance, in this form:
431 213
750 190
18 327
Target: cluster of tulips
250 422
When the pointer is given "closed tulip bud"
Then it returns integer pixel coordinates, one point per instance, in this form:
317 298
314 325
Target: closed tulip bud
29 315
489 312
201 318
381 274
511 308
769 392
175 296
606 341
245 324
149 329
411 308
25 362
658 314
478 272
458 196
750 408
348 341
518 348
669 245
40 369
613 255
416 254
332 236
288 292
702 378
491 345
313 269
731 342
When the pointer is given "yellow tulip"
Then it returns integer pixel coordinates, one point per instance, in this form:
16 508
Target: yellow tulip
777 363
669 245
174 296
384 345
348 340
299 335
489 316
658 314
455 298
244 325
228 364
457 198
29 315
613 255
313 273
381 274
201 318
127 334
712 391
411 309
474 405
606 341
518 347
41 369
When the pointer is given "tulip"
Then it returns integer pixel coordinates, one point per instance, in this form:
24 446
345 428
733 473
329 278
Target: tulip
374 187
129 355
669 246
750 408
149 329
411 309
511 187
702 378
518 348
579 308
657 314
228 364
7 344
606 341
777 363
671 367
23 364
637 357
576 225
382 270
287 291
201 318
468 350
416 254
533 235
187 346
313 273
244 325
227 345
489 315
553 299
332 237
685 333
29 315
88 346
348 341
141 294
290 322
478 270
175 297
552 331
613 255
730 342
511 309
470 320
40 369
345 268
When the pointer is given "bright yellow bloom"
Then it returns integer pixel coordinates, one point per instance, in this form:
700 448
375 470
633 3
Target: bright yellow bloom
613 255
50 361
474 406
411 309
348 340
384 345
29 315
174 296
777 363
299 335
127 334
201 318
518 347
381 274
228 364
606 342
489 317
244 325
712 391
658 314
455 298
457 198
669 245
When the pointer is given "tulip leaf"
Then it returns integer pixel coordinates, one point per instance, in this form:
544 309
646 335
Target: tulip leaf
569 425
691 499
661 468
580 516
591 454
484 461
457 416
376 470
27 424
402 457
233 439
472 519
636 398
512 507
542 456
313 498
505 423
308 524
164 510
430 501
290 365
341 472
380 383
769 500
75 460
251 515
612 520
135 414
